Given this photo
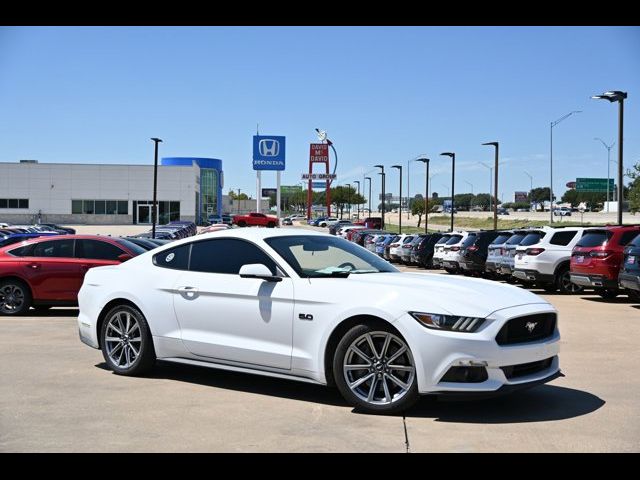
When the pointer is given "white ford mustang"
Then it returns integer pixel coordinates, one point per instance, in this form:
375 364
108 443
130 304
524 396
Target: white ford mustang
313 307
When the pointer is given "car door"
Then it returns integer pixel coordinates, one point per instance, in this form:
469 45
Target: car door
96 253
225 317
52 271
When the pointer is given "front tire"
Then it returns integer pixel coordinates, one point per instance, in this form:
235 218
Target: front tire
126 341
15 297
374 370
608 294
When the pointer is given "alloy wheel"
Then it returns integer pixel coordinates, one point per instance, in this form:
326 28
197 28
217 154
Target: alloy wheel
11 298
566 285
123 339
378 368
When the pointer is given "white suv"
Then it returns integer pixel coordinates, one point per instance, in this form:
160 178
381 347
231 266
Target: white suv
451 256
543 257
438 250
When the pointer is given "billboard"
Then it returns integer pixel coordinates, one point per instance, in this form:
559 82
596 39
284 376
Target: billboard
290 189
268 152
267 192
319 153
520 197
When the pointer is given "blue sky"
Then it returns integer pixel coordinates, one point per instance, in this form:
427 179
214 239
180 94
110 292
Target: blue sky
384 95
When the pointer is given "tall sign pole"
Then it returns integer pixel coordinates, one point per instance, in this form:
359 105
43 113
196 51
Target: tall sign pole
268 154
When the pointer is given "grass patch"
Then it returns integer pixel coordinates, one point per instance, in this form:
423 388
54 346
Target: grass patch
390 227
503 223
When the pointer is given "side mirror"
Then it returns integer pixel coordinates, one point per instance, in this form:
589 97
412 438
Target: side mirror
124 257
258 270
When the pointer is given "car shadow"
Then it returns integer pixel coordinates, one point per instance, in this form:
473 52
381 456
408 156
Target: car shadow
244 382
54 312
543 403
623 299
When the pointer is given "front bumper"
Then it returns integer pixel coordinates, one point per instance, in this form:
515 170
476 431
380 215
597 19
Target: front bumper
629 281
594 281
435 352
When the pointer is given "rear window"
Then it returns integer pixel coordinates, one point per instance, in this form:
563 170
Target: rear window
515 239
453 239
443 240
594 239
470 240
175 258
133 247
408 239
636 241
531 239
563 238
503 237
627 237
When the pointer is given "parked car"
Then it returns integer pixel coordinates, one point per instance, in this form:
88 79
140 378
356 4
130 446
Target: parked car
333 229
474 251
214 219
629 277
382 244
507 255
562 212
145 243
395 250
326 222
373 222
503 211
344 231
451 254
255 219
54 226
438 250
597 257
494 252
407 249
418 353
215 228
422 254
287 221
11 238
543 257
47 271
314 222
394 242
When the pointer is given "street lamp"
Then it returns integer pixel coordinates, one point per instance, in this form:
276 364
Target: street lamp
448 189
490 168
470 184
426 193
553 124
453 181
369 202
531 189
349 198
381 173
495 187
399 167
238 201
608 147
357 204
618 96
154 208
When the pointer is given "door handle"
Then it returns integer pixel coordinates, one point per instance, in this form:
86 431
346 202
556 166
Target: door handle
189 292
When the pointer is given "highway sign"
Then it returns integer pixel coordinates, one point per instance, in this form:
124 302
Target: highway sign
593 184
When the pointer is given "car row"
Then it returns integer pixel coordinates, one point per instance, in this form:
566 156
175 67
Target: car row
172 231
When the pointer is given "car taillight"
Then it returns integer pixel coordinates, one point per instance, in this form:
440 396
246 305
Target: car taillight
601 254
534 251
393 245
472 248
455 249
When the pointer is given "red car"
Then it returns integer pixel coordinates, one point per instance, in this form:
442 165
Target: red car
48 271
255 219
597 257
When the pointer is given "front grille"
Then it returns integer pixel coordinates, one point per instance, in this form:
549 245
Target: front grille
529 328
524 369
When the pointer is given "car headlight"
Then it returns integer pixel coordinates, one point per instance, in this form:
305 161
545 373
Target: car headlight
453 323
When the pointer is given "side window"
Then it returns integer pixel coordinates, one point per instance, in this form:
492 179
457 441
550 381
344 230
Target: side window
22 251
227 255
54 248
563 238
627 237
176 258
97 250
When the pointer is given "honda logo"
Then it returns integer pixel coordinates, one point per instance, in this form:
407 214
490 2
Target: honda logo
269 147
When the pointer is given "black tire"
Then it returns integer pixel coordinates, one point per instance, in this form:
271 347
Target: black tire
633 295
242 223
549 287
271 225
511 280
563 282
451 271
608 294
146 357
404 402
15 297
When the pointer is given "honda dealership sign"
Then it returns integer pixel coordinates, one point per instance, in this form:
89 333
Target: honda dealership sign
268 152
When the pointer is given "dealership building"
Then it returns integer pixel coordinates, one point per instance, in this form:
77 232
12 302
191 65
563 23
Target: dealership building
189 188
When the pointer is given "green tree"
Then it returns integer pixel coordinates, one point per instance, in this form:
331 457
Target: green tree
634 189
417 208
540 194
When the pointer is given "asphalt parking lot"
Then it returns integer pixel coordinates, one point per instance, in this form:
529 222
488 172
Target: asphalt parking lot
58 396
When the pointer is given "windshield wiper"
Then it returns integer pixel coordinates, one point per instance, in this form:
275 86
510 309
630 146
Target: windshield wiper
339 274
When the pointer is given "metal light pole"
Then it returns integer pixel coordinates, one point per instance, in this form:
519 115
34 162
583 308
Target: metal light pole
490 168
608 147
553 124
426 194
495 186
531 189
238 201
358 204
399 167
154 208
349 197
369 202
470 184
448 189
381 173
453 182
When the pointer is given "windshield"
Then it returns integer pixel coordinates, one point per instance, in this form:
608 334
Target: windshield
322 256
515 239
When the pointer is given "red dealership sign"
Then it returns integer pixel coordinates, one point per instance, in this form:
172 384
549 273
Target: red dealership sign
319 153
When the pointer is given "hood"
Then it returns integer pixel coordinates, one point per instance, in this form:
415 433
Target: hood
437 293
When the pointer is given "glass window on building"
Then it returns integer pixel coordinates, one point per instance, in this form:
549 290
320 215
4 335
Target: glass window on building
13 203
4 203
111 207
100 207
88 207
208 191
76 206
123 207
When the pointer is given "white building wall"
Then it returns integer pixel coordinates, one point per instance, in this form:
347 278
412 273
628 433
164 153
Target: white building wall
50 187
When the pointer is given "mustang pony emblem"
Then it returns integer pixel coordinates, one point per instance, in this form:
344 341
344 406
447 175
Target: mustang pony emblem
530 326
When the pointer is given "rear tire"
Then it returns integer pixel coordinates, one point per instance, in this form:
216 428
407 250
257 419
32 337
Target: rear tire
271 225
376 387
126 341
242 223
451 271
564 284
634 295
549 287
15 297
